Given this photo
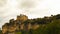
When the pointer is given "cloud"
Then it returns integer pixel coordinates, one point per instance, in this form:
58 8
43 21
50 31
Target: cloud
11 8
2 3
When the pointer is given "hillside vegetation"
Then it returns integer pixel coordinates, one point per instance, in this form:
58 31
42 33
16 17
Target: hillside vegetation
23 25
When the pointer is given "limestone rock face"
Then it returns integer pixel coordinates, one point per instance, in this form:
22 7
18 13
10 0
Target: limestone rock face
11 28
35 26
4 29
21 23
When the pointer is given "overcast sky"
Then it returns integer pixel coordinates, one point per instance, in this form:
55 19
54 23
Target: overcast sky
32 8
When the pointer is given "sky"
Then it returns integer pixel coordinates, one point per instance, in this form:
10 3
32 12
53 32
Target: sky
32 8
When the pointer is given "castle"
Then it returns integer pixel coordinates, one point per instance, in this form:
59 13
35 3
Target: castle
21 23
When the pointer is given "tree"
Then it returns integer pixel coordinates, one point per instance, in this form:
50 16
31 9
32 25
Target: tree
0 31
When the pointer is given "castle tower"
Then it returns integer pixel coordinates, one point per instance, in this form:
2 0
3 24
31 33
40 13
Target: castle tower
22 18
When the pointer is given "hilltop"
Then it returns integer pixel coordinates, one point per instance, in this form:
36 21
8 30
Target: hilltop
22 23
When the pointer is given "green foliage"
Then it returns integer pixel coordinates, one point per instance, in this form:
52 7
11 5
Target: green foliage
51 28
0 32
18 33
54 27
